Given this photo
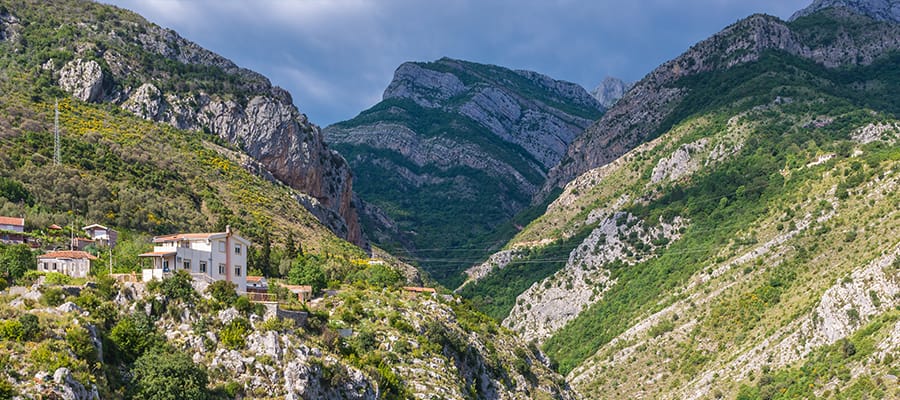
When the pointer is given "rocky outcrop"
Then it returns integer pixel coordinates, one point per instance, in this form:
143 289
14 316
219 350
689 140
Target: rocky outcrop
548 305
83 79
638 116
610 91
191 88
880 10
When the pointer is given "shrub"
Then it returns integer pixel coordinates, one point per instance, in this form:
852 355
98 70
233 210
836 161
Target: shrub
31 327
234 333
56 278
53 297
12 330
79 340
223 292
168 376
16 260
178 286
134 335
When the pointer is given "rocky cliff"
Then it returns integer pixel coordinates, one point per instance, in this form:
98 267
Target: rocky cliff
880 10
455 149
650 107
111 55
610 91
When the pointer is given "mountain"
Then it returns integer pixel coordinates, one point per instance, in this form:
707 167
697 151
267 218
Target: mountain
650 108
454 150
610 91
731 227
158 75
879 10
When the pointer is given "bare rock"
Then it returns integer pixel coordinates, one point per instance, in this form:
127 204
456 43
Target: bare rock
83 79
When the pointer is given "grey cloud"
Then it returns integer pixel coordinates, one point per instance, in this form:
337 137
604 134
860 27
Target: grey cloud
336 57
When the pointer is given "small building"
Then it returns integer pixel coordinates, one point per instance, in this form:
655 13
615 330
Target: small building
257 284
80 243
101 235
76 264
304 292
12 230
207 256
414 290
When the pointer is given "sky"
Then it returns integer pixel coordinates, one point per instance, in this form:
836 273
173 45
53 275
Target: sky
336 57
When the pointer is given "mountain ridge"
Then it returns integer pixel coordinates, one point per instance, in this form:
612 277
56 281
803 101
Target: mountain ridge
473 139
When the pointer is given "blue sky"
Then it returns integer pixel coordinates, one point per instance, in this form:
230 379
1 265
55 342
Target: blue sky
337 56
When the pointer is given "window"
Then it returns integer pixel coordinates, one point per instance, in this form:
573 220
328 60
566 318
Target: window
221 246
54 266
187 264
237 270
203 266
237 249
221 269
165 265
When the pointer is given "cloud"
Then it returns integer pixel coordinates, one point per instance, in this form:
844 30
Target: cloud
337 56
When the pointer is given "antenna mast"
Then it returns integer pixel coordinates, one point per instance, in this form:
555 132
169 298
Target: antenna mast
56 158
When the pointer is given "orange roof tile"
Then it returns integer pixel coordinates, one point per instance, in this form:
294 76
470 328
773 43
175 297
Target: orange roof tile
12 221
298 288
253 278
68 254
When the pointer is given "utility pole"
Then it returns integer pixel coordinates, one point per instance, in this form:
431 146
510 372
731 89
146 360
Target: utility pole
56 158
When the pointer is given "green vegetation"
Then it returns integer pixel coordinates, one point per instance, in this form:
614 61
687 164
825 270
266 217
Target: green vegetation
495 295
459 214
829 364
169 376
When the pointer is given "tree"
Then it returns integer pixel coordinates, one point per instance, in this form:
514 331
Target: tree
307 271
15 260
134 335
168 376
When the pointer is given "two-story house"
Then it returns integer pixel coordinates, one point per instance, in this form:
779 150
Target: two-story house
101 235
12 230
209 256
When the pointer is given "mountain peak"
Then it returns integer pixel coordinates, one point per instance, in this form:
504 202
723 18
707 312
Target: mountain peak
610 91
880 10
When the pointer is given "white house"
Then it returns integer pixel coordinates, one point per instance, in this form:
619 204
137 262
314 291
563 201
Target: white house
76 264
208 256
12 230
101 234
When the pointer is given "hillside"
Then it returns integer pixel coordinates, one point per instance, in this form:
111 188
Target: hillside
167 341
738 237
454 150
104 55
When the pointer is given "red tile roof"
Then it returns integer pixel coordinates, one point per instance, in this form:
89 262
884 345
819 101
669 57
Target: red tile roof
253 278
12 221
55 227
68 254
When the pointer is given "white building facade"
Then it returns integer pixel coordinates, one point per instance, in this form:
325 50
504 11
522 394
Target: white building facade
208 256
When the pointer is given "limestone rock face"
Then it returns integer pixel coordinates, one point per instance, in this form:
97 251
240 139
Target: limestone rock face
237 104
83 79
450 131
880 10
